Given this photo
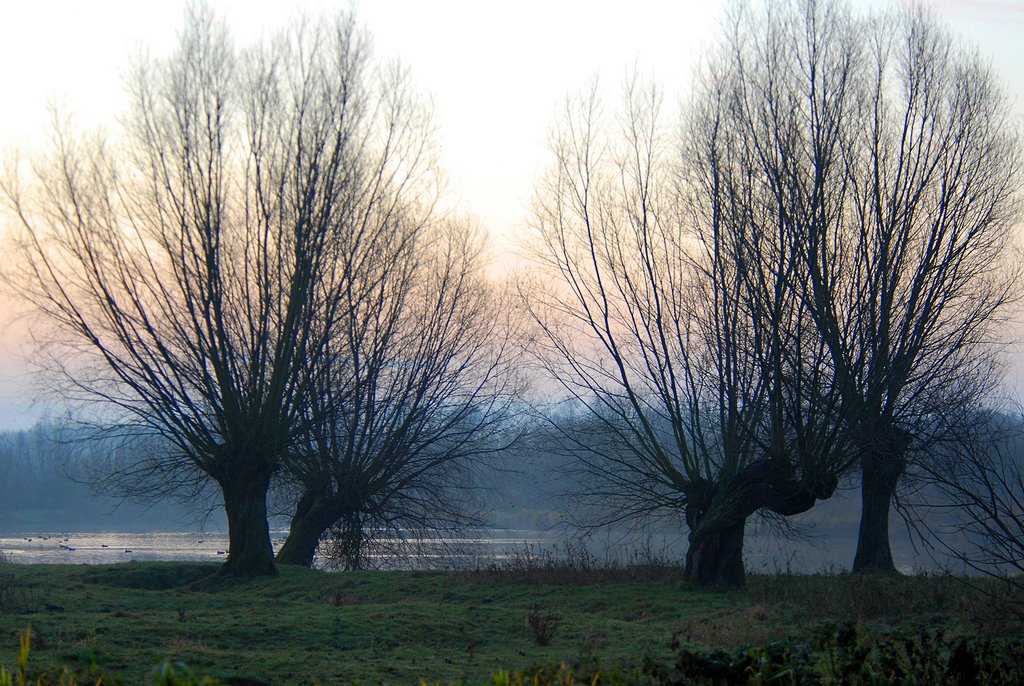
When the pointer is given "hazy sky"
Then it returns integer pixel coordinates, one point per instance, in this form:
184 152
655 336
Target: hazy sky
496 72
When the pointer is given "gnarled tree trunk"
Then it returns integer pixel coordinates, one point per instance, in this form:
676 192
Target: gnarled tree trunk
717 515
715 558
313 516
250 552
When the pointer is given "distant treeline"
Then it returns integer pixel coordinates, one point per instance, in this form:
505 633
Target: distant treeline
48 483
51 482
51 479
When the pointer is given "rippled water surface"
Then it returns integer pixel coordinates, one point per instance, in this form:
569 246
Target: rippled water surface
484 547
101 548
112 547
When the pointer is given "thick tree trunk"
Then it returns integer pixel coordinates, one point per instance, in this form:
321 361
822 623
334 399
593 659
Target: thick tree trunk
313 517
881 471
250 552
715 558
717 515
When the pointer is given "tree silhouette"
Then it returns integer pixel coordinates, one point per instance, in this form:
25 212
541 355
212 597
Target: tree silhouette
888 157
823 271
419 383
672 319
194 268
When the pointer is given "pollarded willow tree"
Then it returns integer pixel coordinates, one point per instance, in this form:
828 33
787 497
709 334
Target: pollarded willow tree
194 269
936 171
419 385
897 167
672 316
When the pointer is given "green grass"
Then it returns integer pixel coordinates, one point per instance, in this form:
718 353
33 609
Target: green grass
306 626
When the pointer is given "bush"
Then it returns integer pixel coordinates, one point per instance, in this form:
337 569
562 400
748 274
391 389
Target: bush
928 657
543 625
780 662
844 654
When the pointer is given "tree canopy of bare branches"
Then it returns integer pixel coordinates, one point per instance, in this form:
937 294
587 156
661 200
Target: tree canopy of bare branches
198 267
897 169
419 379
673 321
797 284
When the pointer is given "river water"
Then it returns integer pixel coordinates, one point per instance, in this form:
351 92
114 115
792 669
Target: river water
479 549
113 547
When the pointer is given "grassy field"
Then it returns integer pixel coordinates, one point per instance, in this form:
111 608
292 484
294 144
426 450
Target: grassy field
307 626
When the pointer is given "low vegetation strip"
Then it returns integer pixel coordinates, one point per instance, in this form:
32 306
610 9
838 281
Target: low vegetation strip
141 623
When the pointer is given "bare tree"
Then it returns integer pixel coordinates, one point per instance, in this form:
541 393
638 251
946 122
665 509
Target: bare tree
193 269
772 365
420 379
908 289
673 321
978 470
896 168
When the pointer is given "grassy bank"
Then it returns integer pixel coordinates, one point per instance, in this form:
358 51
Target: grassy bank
398 627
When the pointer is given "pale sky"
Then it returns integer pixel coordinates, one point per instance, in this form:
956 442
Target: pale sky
496 72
